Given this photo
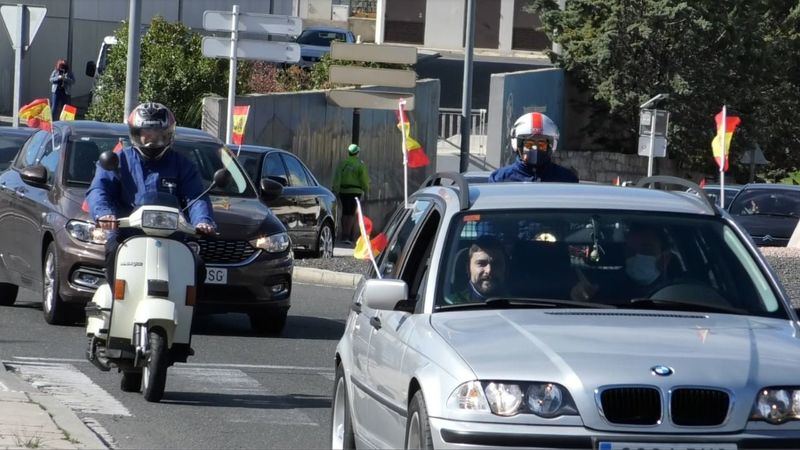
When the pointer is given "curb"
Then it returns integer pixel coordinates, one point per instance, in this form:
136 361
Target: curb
322 277
63 417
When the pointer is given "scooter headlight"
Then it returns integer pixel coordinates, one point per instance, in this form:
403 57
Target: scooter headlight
86 232
275 243
162 220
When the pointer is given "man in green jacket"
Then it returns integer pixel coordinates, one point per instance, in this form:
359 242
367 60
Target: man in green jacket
351 181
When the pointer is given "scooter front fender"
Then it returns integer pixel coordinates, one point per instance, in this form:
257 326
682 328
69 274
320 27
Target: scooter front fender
157 312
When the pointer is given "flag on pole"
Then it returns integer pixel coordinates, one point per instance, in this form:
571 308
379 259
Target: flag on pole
240 114
37 114
378 243
416 153
703 182
616 181
365 237
68 113
722 141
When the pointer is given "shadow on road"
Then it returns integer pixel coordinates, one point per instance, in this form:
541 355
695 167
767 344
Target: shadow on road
290 401
297 327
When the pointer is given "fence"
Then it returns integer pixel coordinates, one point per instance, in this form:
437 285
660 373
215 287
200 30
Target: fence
450 126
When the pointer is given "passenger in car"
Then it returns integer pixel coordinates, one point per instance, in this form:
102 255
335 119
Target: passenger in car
485 269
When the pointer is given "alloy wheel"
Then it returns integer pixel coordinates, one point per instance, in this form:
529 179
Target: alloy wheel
326 242
413 437
49 283
337 433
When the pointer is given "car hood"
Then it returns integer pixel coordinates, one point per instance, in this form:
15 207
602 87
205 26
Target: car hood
238 218
779 227
581 348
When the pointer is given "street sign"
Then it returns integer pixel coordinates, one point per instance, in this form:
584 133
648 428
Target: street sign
390 54
253 23
662 122
370 99
659 146
10 15
220 47
368 75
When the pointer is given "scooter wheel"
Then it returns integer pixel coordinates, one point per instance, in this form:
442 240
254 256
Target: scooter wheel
154 374
131 381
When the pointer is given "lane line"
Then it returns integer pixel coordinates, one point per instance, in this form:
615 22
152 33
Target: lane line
220 365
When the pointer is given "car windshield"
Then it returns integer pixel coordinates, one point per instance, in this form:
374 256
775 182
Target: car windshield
208 156
320 38
767 202
602 259
251 163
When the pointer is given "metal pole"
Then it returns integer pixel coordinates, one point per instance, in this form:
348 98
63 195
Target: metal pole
722 160
652 143
400 106
466 95
21 33
380 21
753 163
132 72
232 74
562 5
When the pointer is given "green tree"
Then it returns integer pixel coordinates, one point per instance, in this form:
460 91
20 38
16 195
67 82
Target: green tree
704 53
172 71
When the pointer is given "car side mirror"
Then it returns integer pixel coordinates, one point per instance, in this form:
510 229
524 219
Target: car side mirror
221 178
91 69
35 175
282 180
108 160
270 189
384 295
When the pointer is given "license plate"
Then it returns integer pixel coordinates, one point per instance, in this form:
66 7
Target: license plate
663 446
215 275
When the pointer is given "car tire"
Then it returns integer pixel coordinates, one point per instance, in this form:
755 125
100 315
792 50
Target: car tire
325 241
418 428
55 311
342 435
131 381
269 322
8 294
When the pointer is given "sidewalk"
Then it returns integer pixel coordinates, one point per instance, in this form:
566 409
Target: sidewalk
29 419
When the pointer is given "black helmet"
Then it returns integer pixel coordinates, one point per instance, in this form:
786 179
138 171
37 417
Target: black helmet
152 129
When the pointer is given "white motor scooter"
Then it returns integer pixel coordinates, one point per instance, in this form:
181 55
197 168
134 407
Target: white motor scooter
145 325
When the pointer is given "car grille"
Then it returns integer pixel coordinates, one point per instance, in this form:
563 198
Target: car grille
699 407
217 251
631 405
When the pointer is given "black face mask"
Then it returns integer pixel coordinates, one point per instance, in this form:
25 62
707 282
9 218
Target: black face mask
538 158
152 153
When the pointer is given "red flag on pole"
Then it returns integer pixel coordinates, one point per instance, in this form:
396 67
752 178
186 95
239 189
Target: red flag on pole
240 114
722 141
416 153
37 114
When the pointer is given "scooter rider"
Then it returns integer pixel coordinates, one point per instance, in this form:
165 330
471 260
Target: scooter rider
534 138
148 166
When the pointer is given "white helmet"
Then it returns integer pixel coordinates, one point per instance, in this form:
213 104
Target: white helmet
534 125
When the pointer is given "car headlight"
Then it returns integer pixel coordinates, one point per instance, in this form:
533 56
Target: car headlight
504 398
86 232
777 405
545 399
275 243
468 396
162 220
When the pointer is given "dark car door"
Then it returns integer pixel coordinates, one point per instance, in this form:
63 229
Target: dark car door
22 221
272 167
301 191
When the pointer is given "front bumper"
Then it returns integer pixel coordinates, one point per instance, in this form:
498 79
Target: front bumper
474 435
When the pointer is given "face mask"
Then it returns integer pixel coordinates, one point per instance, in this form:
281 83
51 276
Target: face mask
538 158
642 269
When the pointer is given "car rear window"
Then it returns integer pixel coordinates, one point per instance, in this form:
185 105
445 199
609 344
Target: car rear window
611 259
767 202
320 38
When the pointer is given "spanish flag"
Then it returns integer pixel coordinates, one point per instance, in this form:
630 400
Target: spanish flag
378 243
68 113
416 153
37 114
240 114
731 121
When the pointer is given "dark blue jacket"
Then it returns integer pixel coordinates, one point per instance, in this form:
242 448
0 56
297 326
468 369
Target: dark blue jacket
519 171
120 192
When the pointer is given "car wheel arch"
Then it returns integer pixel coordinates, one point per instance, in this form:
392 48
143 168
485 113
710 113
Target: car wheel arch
413 387
47 238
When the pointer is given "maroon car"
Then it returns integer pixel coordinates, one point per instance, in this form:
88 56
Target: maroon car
50 244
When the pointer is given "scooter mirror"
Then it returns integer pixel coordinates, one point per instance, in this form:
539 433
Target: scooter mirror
109 160
222 177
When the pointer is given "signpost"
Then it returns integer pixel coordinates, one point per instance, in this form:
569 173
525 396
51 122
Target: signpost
22 22
653 124
235 48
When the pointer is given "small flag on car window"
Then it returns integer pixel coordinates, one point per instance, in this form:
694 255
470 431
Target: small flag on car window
68 113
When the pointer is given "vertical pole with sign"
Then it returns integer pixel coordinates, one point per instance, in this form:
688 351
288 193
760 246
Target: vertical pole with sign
21 22
722 160
651 150
232 74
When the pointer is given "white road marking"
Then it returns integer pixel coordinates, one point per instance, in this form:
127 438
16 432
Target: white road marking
3 387
70 386
220 365
328 375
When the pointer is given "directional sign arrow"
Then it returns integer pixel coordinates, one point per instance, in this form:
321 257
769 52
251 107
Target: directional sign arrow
370 99
219 47
10 18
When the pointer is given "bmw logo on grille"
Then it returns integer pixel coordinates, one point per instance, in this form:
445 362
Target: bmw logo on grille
662 371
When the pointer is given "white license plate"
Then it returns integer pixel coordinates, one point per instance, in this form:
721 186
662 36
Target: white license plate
663 446
215 275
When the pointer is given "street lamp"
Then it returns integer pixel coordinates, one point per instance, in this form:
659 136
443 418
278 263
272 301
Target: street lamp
653 115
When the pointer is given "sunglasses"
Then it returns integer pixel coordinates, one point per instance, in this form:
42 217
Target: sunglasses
541 144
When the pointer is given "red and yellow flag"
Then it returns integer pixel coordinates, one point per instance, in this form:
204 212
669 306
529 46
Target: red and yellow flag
68 113
416 153
731 122
240 114
378 243
37 114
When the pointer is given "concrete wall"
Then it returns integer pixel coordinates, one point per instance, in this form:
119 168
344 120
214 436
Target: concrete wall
74 29
319 133
315 9
444 24
364 27
513 94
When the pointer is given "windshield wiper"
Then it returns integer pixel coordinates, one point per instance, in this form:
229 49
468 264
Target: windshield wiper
775 214
687 306
525 302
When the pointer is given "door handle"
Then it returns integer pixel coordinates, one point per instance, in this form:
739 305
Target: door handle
20 192
375 321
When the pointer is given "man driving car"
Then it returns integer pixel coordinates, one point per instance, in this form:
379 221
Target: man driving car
486 270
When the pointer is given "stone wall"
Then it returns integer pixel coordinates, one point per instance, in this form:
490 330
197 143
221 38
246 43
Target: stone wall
785 262
364 27
605 167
